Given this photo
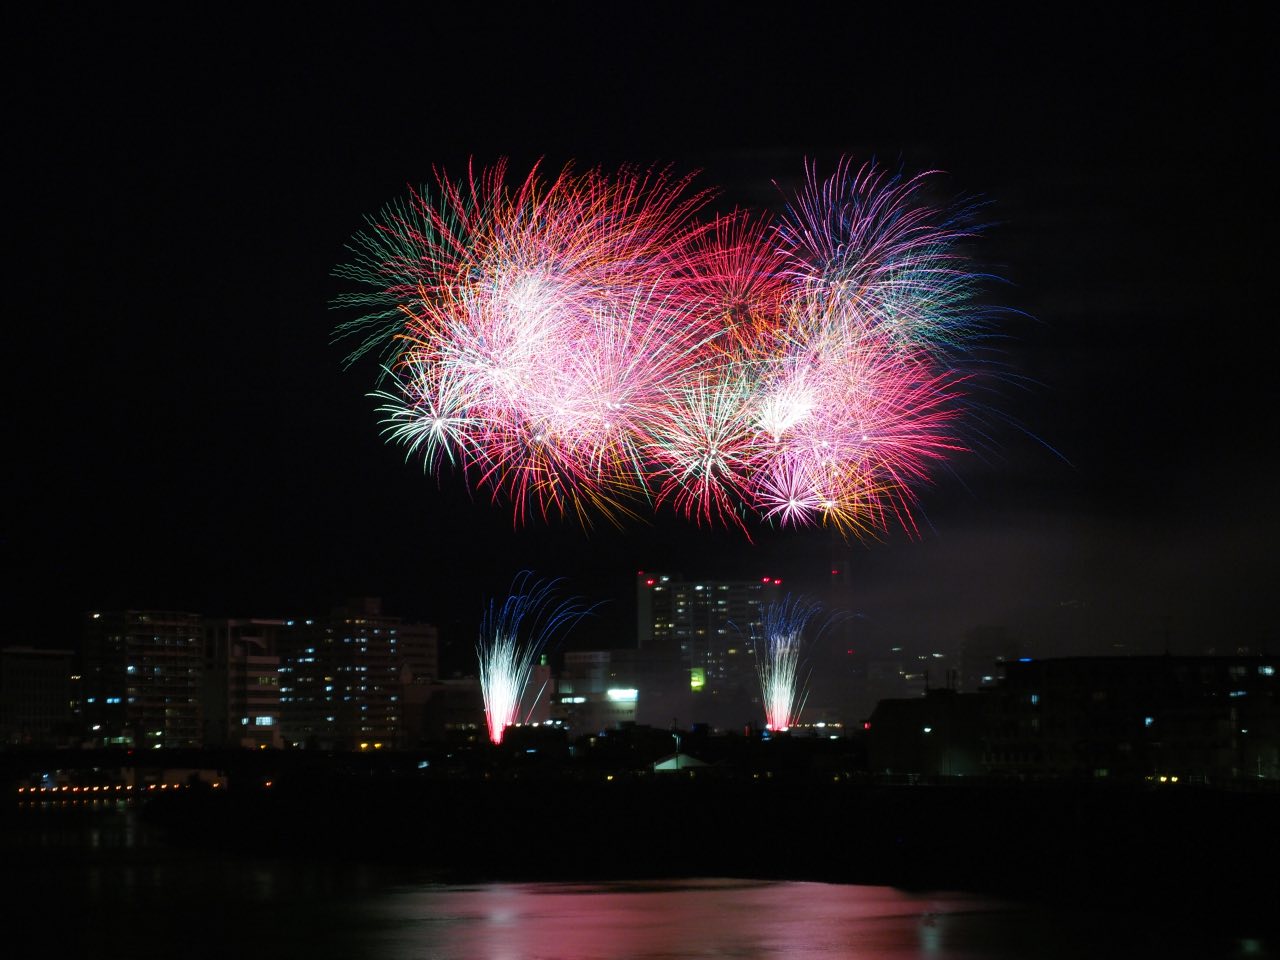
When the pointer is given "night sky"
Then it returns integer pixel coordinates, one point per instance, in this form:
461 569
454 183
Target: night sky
182 433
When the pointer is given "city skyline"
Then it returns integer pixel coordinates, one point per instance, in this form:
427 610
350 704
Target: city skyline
197 444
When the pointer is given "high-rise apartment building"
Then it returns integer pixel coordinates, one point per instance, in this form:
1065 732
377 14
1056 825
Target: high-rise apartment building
142 677
343 677
710 627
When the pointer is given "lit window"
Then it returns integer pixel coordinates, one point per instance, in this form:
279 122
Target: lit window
264 721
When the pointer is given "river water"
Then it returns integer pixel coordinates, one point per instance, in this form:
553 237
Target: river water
102 887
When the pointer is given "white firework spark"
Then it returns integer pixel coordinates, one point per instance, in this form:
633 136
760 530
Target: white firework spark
779 660
512 636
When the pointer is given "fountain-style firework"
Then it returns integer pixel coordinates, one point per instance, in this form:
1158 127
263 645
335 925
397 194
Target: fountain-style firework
779 660
512 636
587 346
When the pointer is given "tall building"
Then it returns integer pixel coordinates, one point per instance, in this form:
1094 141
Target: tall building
342 677
142 677
709 626
242 683
35 697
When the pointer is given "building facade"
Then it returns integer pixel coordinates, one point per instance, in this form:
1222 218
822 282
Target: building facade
709 627
242 683
36 697
343 677
1135 719
142 678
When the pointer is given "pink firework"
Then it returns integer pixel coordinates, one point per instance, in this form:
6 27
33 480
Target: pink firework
849 424
544 311
582 345
703 450
735 277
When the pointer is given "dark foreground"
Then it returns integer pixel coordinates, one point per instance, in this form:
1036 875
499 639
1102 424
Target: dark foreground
1181 848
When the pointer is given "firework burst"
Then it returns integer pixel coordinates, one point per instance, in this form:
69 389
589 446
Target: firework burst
512 636
874 244
583 345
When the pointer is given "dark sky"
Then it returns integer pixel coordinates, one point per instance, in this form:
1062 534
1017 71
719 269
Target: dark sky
182 433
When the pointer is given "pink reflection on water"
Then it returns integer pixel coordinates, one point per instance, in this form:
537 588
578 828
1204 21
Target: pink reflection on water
668 919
